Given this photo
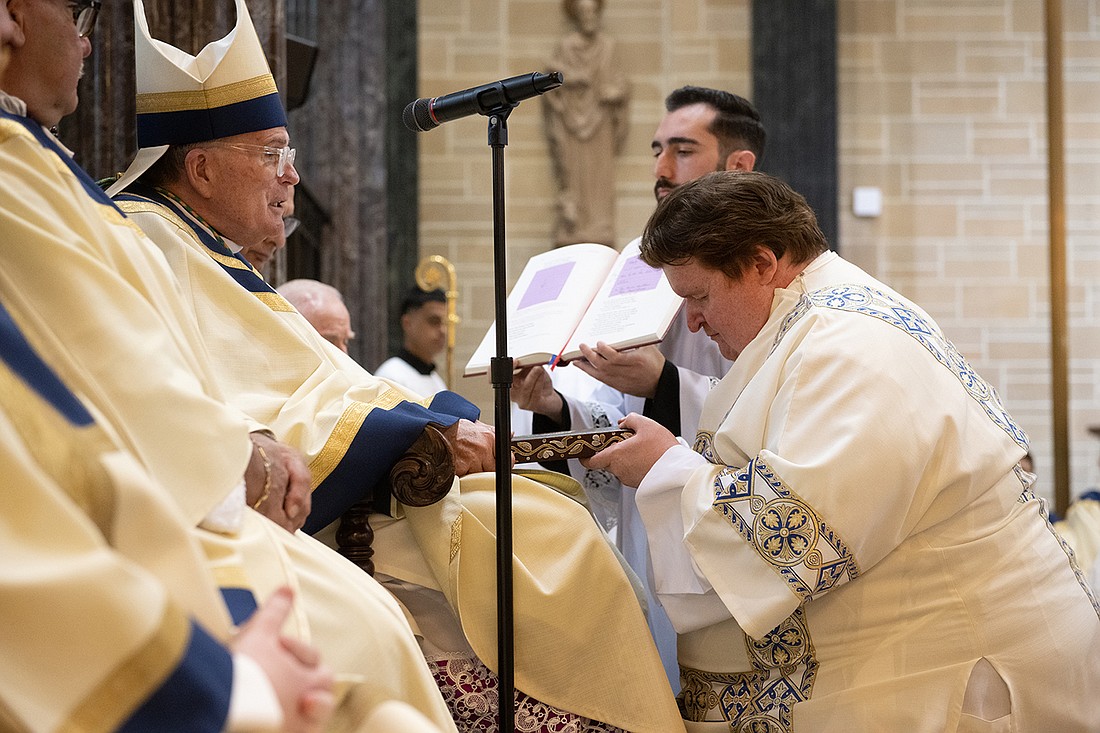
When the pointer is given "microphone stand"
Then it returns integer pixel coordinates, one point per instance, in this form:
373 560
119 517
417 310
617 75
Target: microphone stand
496 101
493 101
500 370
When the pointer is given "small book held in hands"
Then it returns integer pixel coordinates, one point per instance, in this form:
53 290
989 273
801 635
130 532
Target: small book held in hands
581 294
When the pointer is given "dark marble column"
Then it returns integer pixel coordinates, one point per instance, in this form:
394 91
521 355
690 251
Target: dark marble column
794 87
341 137
402 165
101 131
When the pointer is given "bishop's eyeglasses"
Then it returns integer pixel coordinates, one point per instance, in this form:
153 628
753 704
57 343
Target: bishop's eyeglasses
284 156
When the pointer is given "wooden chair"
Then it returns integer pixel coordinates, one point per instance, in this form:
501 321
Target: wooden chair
426 472
422 476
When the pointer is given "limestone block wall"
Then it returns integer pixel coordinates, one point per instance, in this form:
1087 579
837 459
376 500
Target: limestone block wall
661 45
941 106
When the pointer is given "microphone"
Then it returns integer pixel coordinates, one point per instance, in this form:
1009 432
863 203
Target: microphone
426 114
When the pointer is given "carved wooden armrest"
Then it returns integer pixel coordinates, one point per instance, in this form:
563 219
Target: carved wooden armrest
426 472
422 476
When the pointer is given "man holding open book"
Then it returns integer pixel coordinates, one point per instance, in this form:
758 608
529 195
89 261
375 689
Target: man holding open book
703 130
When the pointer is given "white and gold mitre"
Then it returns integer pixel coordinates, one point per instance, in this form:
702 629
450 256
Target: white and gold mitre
227 89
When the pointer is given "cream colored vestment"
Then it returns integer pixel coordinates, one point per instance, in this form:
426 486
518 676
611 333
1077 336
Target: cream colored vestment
105 595
853 546
274 366
96 299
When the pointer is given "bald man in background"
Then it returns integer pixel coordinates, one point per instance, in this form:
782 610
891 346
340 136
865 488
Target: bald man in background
323 306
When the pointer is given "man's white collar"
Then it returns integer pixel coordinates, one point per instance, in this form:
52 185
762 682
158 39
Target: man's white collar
12 105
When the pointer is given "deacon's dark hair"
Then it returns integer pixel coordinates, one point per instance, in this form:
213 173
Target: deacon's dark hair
737 124
718 220
416 298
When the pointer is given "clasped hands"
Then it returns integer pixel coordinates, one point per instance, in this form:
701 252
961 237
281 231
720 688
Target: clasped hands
302 683
278 482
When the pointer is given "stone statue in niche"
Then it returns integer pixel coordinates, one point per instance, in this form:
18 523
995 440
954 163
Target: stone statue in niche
586 127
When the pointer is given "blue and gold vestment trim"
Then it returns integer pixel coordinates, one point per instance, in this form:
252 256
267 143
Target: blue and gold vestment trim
179 661
23 361
204 672
55 426
887 309
355 462
782 527
141 198
49 143
784 670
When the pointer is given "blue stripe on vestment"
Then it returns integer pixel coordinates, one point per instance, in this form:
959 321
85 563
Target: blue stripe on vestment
17 353
238 268
195 697
47 141
241 603
385 435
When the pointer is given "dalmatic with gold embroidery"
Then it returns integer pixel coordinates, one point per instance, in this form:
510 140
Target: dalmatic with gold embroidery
851 545
351 426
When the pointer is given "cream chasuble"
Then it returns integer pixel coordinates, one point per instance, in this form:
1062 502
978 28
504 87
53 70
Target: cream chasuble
274 366
51 225
353 426
108 606
96 299
854 549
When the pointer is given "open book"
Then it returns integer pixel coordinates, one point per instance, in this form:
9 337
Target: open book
581 294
